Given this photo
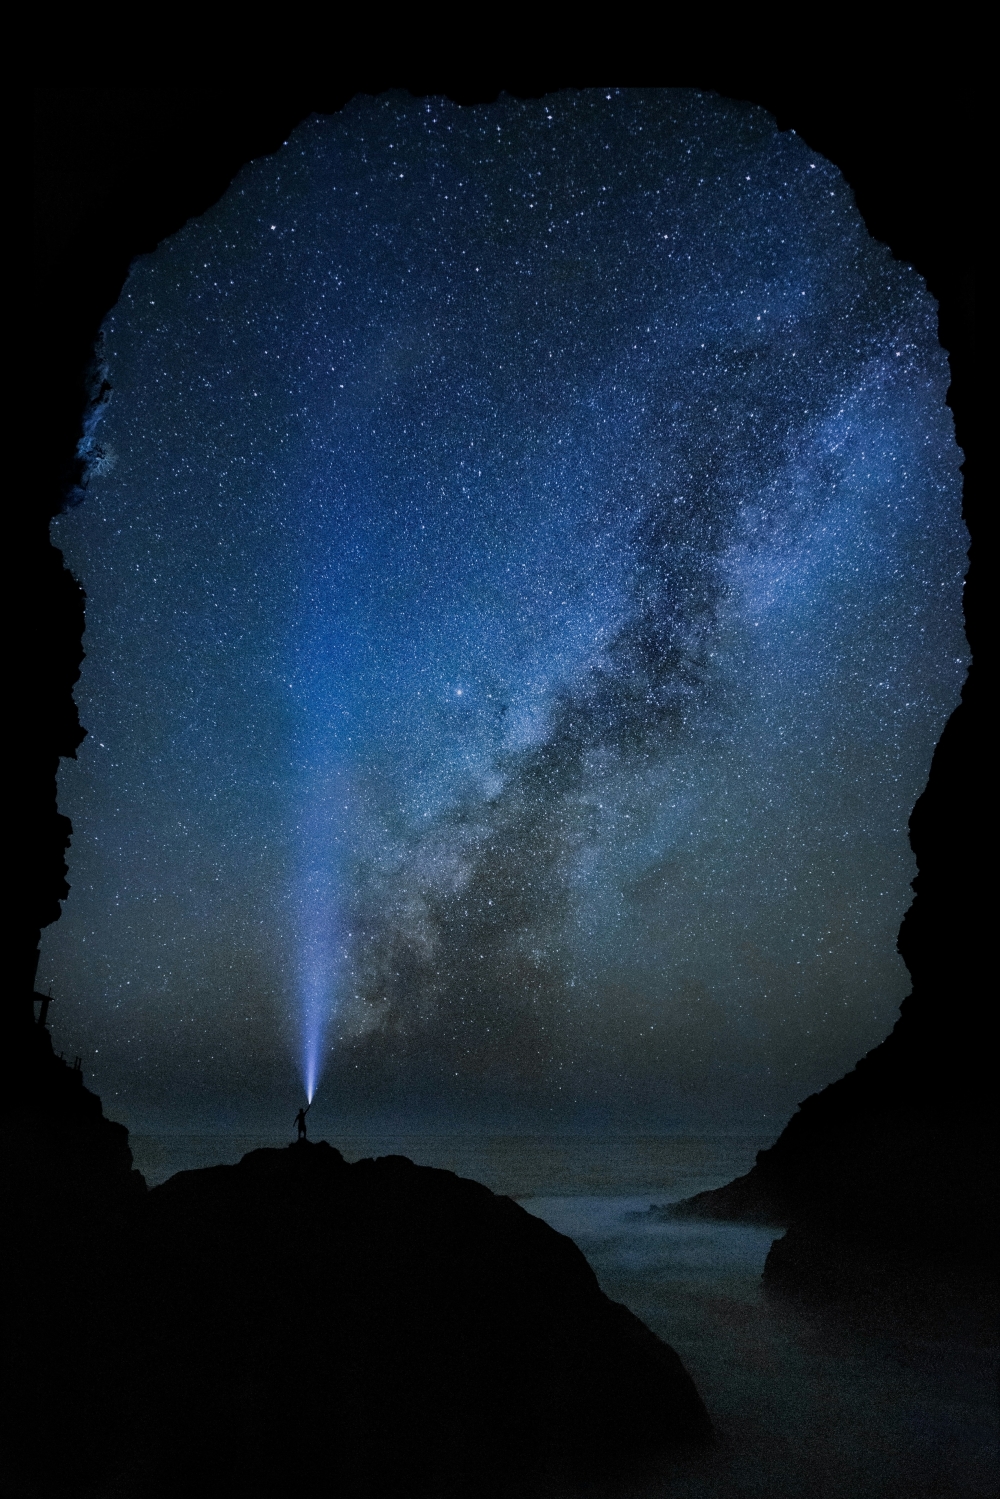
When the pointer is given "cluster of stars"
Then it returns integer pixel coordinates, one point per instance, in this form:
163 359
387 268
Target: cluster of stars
523 576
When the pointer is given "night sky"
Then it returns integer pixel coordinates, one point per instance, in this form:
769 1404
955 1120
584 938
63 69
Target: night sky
524 559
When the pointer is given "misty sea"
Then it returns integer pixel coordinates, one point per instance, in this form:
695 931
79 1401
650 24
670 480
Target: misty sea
805 1405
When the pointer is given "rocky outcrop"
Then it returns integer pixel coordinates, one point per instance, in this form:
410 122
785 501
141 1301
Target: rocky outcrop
377 1328
884 1180
295 1321
745 1200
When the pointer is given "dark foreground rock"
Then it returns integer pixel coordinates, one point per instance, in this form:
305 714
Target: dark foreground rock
377 1328
295 1322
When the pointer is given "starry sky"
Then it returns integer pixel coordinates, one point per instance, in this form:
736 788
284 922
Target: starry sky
524 556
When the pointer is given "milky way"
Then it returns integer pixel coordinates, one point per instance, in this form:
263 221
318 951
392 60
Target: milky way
523 555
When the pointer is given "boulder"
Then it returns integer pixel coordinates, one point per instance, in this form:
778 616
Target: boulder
376 1328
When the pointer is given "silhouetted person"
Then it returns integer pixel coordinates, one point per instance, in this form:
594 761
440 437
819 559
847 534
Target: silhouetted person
300 1121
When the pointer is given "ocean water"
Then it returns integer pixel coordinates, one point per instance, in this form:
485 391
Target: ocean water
805 1405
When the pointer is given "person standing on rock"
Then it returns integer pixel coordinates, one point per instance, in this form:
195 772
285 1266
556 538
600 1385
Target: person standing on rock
300 1121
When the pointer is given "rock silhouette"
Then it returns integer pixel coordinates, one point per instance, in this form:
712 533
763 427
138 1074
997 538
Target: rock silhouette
375 1328
380 1324
885 1179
